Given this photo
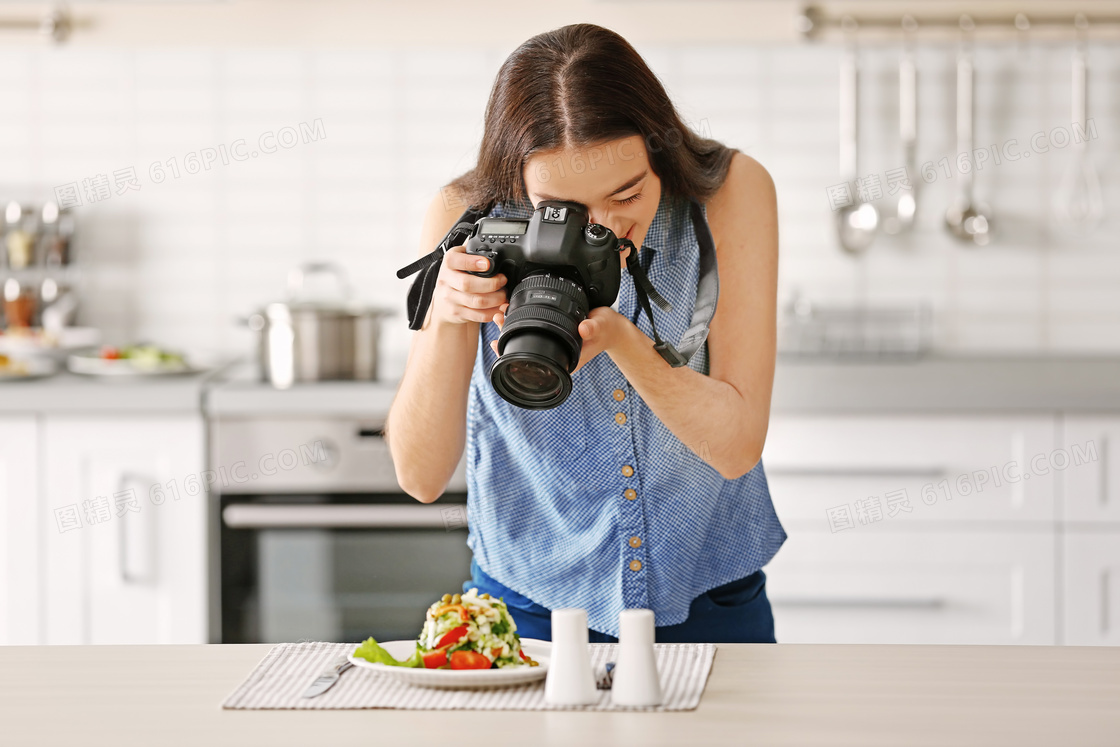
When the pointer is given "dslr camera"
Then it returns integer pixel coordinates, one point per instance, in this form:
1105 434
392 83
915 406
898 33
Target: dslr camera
558 267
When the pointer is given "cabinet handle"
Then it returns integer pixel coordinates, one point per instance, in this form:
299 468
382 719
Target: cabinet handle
257 516
1104 470
123 565
1104 601
865 603
928 473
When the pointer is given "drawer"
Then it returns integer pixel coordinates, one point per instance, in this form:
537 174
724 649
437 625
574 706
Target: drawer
826 473
914 587
1091 486
1091 588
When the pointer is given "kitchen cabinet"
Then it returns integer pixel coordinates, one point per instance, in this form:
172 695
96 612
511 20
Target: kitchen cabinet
914 587
19 530
1092 480
897 470
1091 582
915 528
124 507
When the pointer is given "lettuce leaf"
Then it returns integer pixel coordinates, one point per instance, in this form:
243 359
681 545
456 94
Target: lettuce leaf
371 650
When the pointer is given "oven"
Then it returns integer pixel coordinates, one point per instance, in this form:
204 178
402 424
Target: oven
313 540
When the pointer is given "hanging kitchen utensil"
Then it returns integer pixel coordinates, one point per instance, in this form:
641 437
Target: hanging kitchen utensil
1078 205
906 207
857 221
968 220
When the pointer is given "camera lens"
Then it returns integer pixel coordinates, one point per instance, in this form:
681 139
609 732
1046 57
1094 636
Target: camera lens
540 342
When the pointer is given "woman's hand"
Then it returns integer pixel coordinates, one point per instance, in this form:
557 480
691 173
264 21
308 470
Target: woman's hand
599 331
460 297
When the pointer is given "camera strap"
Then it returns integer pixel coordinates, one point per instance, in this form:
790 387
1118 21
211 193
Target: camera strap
707 293
423 287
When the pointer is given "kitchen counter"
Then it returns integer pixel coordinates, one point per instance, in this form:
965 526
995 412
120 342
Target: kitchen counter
806 385
69 393
814 386
757 694
240 392
945 383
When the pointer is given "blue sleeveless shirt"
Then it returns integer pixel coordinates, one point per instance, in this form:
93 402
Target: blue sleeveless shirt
551 511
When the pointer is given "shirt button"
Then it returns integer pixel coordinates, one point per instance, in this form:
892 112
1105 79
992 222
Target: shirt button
620 418
630 494
627 470
635 565
619 395
635 541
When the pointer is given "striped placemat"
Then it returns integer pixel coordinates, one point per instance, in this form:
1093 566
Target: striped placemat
281 678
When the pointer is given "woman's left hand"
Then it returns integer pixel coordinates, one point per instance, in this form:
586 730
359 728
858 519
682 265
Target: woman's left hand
599 331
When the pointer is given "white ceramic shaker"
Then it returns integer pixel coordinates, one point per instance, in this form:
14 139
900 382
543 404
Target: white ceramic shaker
635 681
570 680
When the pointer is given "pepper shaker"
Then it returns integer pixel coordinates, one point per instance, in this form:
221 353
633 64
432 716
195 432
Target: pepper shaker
635 679
570 680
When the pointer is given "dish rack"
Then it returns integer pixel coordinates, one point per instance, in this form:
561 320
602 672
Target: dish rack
854 331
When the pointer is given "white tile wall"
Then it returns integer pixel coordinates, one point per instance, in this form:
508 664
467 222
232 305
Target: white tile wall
179 261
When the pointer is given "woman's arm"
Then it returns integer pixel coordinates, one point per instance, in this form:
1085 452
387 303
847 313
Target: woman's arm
426 425
722 417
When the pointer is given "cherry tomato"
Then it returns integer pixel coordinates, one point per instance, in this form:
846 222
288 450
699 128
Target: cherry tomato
469 660
523 656
435 659
451 636
110 353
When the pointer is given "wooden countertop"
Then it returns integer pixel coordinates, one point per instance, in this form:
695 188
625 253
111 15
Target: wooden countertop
758 694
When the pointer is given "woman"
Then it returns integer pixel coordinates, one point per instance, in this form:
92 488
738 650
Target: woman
644 487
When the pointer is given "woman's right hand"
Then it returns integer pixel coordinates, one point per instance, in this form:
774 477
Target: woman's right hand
460 297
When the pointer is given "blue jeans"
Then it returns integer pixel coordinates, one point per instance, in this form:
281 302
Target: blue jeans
737 612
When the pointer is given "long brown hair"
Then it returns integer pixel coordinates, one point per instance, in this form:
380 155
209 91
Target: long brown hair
577 86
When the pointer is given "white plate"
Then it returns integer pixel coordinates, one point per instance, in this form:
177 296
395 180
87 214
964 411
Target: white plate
48 343
97 366
462 679
31 368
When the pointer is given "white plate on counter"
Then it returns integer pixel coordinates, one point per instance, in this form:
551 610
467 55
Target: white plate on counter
90 365
462 679
30 368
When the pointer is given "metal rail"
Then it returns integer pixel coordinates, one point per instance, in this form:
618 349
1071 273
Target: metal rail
814 23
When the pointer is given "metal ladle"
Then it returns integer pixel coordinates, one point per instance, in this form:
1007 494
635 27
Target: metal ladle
857 222
906 207
966 219
1078 205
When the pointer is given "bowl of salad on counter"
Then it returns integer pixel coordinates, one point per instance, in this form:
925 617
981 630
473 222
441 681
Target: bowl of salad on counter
143 359
467 641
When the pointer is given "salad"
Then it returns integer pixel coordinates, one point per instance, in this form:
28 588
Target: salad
461 631
141 355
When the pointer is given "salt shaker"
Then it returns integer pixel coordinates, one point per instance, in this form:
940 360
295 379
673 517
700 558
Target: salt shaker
636 682
570 680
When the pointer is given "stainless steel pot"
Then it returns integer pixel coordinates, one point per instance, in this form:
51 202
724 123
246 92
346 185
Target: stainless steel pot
317 338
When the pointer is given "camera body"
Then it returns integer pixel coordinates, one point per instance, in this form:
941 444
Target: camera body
558 240
558 267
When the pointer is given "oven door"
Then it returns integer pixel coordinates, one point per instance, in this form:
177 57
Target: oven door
338 567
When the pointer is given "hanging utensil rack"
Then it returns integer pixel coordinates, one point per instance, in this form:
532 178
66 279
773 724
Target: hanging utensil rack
55 24
815 23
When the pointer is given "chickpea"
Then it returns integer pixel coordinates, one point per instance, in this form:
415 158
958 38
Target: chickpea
486 595
456 599
446 599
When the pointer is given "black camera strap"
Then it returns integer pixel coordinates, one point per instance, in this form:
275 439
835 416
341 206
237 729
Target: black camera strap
424 286
707 286
707 293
